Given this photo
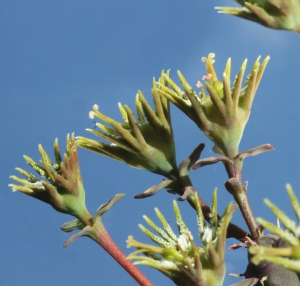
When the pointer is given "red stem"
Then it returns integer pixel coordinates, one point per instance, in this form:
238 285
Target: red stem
106 242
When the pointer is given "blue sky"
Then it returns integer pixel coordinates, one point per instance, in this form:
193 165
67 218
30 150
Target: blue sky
59 58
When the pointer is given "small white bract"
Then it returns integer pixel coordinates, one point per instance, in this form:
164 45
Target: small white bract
207 235
166 263
183 242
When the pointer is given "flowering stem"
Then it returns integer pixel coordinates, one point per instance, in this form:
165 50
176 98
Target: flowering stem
106 242
235 187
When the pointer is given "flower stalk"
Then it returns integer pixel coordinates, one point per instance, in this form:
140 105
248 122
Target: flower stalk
99 234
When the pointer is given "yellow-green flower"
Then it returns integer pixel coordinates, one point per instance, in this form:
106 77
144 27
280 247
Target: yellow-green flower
64 190
223 114
144 142
177 256
275 14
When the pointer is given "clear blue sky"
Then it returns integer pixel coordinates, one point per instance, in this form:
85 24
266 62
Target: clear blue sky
59 58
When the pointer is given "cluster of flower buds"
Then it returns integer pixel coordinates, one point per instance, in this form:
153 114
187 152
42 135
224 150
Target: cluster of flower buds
223 114
177 256
60 184
275 14
144 142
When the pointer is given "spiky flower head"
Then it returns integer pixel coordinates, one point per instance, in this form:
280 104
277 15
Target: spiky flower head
275 14
177 256
286 252
144 142
60 183
223 114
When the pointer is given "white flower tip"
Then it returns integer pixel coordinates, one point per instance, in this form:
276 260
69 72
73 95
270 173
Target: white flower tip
182 242
168 264
95 107
211 55
39 185
199 84
92 114
12 187
208 235
129 241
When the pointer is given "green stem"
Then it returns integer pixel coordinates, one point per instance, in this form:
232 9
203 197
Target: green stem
86 218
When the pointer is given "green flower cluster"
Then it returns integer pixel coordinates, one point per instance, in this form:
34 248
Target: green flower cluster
144 142
60 185
222 115
177 256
